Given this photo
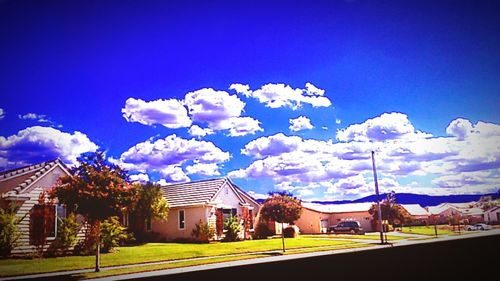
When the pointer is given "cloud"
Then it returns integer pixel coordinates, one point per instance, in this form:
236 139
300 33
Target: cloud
197 131
338 121
300 123
142 178
221 111
459 128
169 113
33 116
2 113
36 144
281 95
401 152
174 174
388 126
167 156
256 195
206 169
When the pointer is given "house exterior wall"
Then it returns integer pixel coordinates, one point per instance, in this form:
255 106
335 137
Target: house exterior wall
363 217
492 216
310 221
169 229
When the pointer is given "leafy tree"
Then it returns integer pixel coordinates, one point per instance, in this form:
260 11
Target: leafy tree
247 220
42 222
391 211
97 190
203 232
150 205
281 207
487 202
219 223
9 233
233 227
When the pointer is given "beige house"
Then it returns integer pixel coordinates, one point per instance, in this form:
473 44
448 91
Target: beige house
193 202
418 214
21 188
465 211
492 216
316 218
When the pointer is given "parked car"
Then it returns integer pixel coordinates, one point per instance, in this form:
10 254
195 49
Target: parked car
479 226
351 227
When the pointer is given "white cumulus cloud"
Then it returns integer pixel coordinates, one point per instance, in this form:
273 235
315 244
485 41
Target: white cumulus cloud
36 144
169 113
281 95
300 123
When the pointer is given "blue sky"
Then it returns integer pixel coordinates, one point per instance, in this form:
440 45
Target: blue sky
276 96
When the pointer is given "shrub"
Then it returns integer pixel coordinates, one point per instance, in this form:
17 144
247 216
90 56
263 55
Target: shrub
113 234
232 225
203 232
9 233
290 231
67 231
262 231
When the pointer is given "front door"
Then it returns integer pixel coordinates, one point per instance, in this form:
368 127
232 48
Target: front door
324 225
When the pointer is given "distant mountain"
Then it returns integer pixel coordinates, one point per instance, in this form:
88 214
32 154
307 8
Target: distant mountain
410 198
423 200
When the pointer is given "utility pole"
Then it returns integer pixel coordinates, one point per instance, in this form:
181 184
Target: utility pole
378 200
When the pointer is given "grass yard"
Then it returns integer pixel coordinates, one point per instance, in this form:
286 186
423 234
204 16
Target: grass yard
174 264
152 252
349 236
427 230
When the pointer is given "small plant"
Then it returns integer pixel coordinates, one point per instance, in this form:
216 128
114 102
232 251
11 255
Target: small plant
233 227
203 232
67 231
9 233
290 232
113 234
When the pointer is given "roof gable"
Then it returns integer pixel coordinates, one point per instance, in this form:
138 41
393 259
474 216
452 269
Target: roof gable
16 181
199 192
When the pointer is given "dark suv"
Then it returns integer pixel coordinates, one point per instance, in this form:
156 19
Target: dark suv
352 227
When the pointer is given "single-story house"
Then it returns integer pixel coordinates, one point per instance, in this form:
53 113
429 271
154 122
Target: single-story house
465 211
316 217
418 214
492 216
21 188
192 202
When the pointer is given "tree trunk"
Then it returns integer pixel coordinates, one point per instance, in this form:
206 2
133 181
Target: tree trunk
283 237
98 246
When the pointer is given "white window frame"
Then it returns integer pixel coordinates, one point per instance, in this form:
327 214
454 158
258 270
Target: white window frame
179 219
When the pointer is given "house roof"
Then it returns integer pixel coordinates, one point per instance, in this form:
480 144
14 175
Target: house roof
415 210
15 181
338 208
200 192
463 208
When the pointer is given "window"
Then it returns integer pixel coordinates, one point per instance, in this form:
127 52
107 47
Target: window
227 213
250 213
182 222
43 222
125 219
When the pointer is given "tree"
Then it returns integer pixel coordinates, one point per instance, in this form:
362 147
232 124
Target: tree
42 221
232 226
97 190
281 207
219 223
150 204
391 211
247 220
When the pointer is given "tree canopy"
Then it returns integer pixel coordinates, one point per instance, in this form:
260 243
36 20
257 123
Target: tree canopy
150 202
391 211
281 207
97 190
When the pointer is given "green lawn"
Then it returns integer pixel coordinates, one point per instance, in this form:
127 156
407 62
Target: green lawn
354 236
156 252
208 261
427 230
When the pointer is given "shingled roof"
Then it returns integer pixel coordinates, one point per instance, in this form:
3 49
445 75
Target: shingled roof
13 182
199 192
